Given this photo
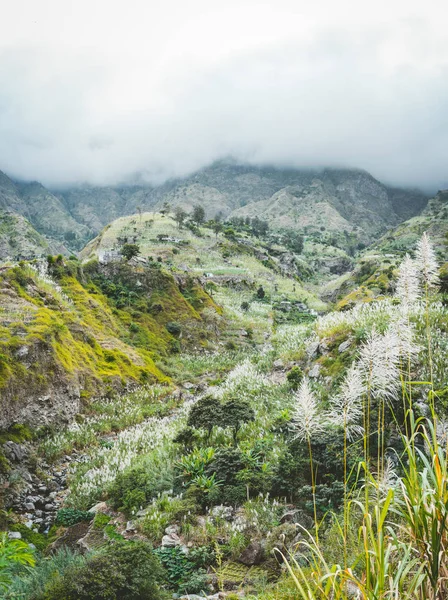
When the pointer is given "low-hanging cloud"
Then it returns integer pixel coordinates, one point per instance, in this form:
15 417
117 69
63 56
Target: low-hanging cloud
373 96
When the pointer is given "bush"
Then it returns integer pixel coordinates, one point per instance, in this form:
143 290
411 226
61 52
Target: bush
294 377
124 570
173 328
139 484
183 573
70 516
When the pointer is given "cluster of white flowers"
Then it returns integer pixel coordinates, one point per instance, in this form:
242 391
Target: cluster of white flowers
347 408
125 409
143 438
289 338
243 378
381 357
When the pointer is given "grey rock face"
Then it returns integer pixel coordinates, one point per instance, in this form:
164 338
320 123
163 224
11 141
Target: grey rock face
169 541
314 372
253 554
344 346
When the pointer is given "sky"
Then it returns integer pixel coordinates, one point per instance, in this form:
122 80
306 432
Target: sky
101 91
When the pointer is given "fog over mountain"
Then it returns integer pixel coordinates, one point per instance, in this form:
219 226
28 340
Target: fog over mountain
102 91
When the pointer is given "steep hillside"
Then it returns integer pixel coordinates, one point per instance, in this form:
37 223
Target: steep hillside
35 213
375 268
49 215
231 260
18 239
67 333
349 201
433 220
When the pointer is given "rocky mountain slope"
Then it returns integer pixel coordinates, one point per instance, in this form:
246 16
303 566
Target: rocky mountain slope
374 269
339 200
69 332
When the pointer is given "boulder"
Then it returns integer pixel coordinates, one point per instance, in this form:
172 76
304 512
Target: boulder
344 346
253 554
100 507
172 529
312 349
169 541
314 372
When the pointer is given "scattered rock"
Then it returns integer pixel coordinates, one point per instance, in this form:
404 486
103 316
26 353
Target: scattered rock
344 346
312 349
169 541
14 535
278 364
252 555
172 529
314 372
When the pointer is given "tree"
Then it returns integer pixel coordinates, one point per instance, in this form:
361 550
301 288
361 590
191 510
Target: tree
205 414
165 208
234 413
198 215
130 250
179 216
295 242
217 227
245 306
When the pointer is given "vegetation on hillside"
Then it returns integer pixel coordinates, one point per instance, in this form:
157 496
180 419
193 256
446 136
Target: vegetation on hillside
302 455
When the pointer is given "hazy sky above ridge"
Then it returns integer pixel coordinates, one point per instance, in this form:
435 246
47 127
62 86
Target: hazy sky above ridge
96 90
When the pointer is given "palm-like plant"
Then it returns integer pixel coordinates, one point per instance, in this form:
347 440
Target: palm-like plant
12 553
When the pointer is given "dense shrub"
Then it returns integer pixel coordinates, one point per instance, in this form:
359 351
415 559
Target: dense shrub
185 572
71 516
294 377
125 571
173 328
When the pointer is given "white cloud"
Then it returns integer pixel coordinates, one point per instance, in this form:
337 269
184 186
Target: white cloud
99 90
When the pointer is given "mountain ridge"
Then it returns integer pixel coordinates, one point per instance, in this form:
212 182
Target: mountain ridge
340 200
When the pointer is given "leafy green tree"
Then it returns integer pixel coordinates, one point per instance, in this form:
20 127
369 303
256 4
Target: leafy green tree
295 242
205 414
12 553
128 251
179 216
198 215
217 227
234 414
165 208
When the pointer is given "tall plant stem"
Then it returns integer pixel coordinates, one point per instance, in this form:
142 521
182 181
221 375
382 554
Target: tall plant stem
313 487
345 494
